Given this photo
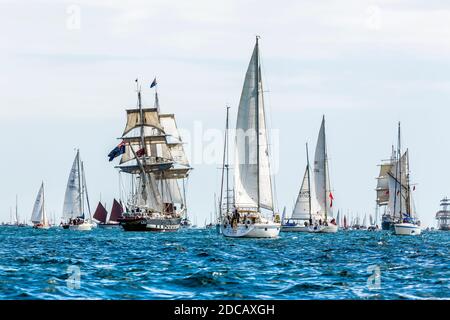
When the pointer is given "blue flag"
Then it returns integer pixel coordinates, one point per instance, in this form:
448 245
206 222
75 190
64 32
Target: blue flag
153 83
117 151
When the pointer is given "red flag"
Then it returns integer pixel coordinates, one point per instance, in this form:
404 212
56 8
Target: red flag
387 192
331 199
140 152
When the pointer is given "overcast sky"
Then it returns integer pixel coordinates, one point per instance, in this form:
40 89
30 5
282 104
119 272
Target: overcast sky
68 70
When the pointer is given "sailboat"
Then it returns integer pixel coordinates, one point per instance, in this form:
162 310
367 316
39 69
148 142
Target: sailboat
39 215
101 215
153 156
75 198
302 217
252 180
400 200
383 192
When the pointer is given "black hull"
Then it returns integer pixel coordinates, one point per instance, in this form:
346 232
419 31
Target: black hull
387 225
150 225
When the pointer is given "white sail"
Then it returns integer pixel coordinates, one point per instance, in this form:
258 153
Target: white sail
72 199
253 187
38 213
170 191
302 205
321 177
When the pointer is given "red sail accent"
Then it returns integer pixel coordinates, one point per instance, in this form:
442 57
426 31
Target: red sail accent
116 211
100 213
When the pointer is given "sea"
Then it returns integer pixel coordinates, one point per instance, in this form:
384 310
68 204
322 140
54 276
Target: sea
200 264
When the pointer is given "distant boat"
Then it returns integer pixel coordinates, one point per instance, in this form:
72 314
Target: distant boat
443 215
252 180
39 215
400 199
75 198
101 215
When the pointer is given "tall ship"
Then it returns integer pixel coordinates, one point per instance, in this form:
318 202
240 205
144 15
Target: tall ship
383 194
252 212
313 211
443 215
76 209
154 160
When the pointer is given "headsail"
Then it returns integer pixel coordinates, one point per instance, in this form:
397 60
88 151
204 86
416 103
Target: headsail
38 214
253 187
302 207
100 213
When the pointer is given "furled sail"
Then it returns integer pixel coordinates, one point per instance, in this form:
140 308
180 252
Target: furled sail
321 177
72 199
100 213
155 152
302 207
398 200
253 186
38 214
116 211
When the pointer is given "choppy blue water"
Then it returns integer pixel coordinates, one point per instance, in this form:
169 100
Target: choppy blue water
199 264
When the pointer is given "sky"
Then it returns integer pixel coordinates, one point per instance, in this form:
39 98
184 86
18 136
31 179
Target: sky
68 70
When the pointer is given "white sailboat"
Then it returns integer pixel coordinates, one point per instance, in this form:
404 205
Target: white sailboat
302 218
75 198
39 216
322 185
400 200
252 180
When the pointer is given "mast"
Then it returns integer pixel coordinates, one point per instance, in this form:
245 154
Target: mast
325 171
309 183
85 190
44 220
80 188
17 213
400 170
257 123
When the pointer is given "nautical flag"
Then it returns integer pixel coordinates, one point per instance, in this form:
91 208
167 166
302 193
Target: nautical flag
387 192
140 152
331 199
153 83
117 151
414 188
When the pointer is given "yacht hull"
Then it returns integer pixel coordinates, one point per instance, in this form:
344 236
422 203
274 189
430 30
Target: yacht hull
256 230
407 229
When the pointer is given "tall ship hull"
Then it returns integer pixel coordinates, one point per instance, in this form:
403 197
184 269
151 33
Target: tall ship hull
387 223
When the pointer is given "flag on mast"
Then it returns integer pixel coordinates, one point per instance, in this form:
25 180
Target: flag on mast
154 83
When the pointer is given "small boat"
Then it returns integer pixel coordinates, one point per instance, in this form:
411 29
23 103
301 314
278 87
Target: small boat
101 215
443 215
252 179
75 198
39 216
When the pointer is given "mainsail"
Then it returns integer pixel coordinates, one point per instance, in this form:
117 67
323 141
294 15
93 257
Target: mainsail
321 176
73 202
116 211
38 215
253 187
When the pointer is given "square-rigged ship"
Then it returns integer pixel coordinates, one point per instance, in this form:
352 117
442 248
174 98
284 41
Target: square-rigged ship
153 155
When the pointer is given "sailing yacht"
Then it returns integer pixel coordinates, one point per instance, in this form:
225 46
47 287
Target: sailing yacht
153 157
75 198
101 216
302 218
39 216
400 201
252 180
